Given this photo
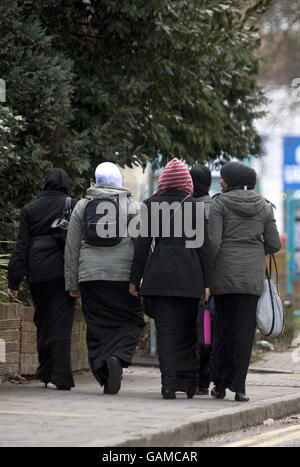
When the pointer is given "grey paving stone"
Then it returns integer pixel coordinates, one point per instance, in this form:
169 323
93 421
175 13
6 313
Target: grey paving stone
33 416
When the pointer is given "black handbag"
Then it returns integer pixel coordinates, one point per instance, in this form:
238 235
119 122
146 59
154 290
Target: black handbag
59 228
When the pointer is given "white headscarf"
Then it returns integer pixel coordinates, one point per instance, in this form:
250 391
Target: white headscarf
109 174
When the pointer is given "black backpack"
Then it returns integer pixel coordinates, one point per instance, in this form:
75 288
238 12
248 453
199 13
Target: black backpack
107 222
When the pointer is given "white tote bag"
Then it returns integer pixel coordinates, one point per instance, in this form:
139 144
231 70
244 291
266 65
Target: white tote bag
270 316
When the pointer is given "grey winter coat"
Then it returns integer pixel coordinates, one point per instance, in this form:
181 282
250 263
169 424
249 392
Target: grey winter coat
84 262
242 230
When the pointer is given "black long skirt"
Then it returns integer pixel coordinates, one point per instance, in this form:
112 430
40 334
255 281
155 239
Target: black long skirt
175 319
114 321
54 314
234 330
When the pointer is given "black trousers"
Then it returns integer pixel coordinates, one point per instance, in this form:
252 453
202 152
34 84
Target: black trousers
234 330
175 319
204 377
54 314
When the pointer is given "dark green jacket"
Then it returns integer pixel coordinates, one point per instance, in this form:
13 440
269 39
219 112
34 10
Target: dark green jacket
242 230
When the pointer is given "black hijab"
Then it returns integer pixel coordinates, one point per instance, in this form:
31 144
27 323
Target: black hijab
201 176
237 175
57 180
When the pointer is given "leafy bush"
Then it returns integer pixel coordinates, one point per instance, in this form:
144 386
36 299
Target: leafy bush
170 76
96 80
37 112
21 169
3 287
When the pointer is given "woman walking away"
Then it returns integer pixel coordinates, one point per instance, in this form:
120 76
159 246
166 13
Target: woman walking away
99 266
201 177
174 280
242 231
39 255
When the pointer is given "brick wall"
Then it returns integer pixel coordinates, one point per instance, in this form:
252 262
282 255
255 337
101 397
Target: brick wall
10 332
19 333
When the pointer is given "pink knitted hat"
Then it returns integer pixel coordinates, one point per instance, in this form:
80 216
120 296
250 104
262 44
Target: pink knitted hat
175 176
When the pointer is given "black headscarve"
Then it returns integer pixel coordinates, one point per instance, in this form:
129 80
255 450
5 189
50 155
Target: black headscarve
57 180
201 176
237 175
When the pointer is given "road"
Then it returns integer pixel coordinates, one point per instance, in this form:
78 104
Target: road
284 433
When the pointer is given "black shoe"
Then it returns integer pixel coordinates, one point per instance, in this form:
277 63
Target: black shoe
191 392
218 393
113 383
101 374
168 394
241 397
203 392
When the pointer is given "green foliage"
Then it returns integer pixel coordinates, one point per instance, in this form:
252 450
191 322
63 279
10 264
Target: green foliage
4 261
174 77
257 6
24 296
123 80
21 169
3 287
34 121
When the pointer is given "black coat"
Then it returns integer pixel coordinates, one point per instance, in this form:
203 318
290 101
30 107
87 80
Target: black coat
172 270
42 261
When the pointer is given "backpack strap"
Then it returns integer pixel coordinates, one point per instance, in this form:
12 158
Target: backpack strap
269 270
273 259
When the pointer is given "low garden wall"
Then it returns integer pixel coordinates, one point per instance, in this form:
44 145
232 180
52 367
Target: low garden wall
18 336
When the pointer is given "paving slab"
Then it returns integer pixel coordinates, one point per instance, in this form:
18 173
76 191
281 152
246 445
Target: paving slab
33 416
281 361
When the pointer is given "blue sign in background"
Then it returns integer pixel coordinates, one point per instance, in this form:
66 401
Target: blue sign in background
291 167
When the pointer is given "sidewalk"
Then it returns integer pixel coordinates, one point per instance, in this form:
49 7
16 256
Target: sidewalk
33 416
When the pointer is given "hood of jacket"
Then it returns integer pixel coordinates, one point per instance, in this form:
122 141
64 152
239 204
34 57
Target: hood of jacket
103 191
57 180
246 203
201 177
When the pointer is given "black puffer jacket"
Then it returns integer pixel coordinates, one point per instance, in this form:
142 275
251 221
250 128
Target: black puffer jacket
41 260
173 269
